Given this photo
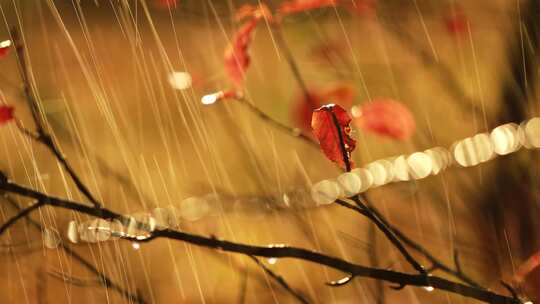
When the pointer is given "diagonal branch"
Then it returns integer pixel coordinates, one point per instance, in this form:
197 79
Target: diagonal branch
22 213
276 251
281 281
42 135
415 246
103 279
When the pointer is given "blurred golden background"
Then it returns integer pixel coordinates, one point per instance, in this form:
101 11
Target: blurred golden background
100 70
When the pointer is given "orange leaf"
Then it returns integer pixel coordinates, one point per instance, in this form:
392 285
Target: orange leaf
342 95
237 59
386 117
526 268
295 6
456 22
330 124
6 114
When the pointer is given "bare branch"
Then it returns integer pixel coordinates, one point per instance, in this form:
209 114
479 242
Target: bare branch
275 251
281 281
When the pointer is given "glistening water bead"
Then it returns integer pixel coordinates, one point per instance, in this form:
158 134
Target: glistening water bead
467 152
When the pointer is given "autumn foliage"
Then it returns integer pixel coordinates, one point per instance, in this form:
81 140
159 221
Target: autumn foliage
342 95
387 118
6 114
331 127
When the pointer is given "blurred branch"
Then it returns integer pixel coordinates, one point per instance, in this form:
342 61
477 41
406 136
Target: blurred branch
374 262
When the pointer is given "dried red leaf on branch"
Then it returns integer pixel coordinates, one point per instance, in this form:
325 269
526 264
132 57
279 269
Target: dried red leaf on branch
386 117
342 95
237 58
296 6
331 126
6 114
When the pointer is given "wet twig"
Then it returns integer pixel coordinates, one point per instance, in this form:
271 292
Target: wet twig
275 251
436 264
103 279
279 279
42 135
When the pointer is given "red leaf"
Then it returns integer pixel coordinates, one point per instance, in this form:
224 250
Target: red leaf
6 114
342 95
386 117
333 138
526 268
237 59
5 46
456 21
295 6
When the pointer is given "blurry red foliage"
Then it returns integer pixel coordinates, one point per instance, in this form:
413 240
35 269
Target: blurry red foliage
386 117
6 114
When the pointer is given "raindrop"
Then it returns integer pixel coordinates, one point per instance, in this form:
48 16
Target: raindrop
378 172
272 261
350 183
193 208
51 238
162 218
420 165
429 288
180 80
366 178
325 192
72 233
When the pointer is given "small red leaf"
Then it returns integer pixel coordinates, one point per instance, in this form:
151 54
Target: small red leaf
6 114
386 117
237 59
456 21
5 47
330 125
342 95
295 6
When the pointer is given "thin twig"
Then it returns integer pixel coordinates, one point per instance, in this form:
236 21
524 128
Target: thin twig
436 264
103 279
280 280
42 135
372 217
24 212
391 236
289 130
374 262
275 251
